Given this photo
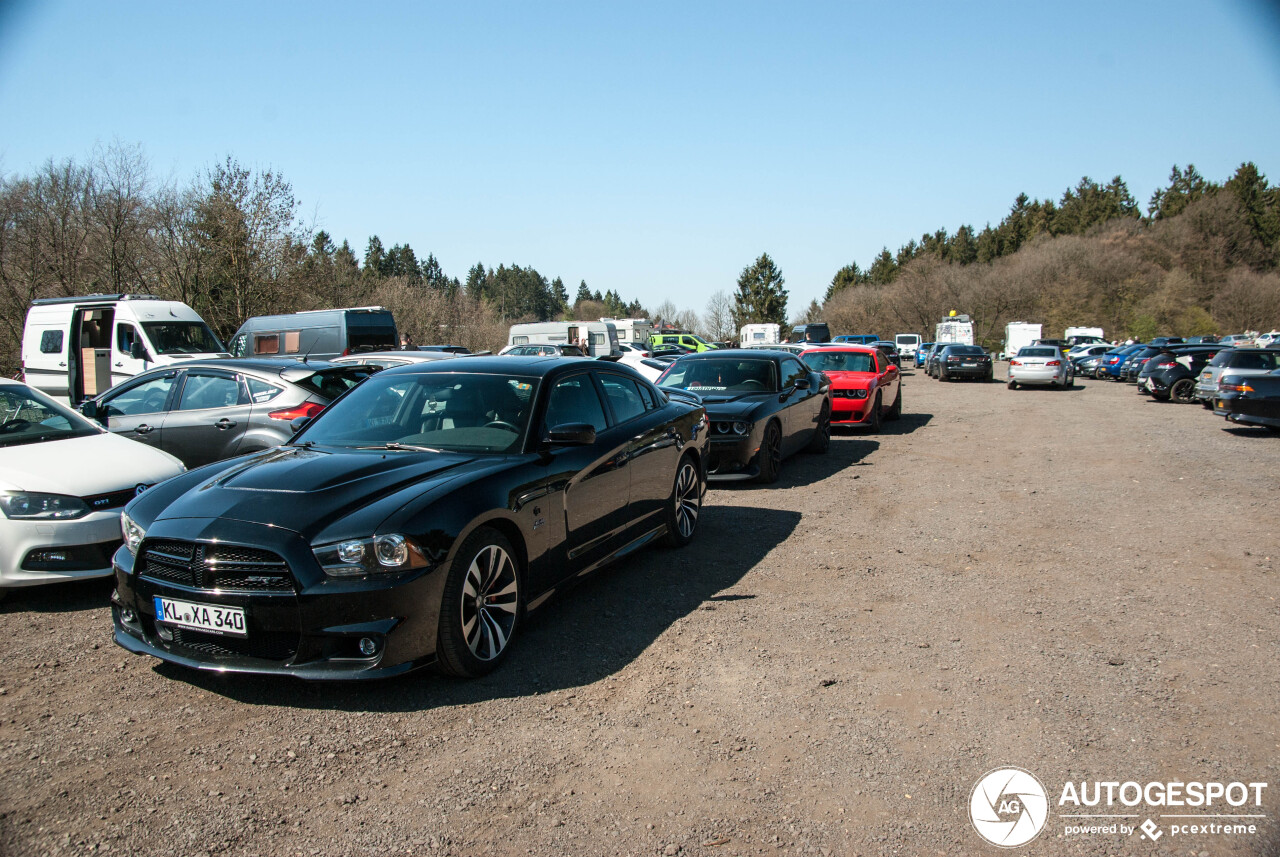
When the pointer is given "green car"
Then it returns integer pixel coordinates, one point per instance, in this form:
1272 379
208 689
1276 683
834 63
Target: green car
688 340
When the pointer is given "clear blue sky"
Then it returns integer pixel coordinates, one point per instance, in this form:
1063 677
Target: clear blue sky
654 148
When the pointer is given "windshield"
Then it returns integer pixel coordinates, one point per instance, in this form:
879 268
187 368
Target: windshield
839 361
736 375
967 350
29 417
1038 352
181 337
449 411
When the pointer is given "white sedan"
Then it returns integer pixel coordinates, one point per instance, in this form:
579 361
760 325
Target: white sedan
1040 364
63 482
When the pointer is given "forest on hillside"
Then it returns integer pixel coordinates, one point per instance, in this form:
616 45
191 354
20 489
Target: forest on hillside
1203 259
231 244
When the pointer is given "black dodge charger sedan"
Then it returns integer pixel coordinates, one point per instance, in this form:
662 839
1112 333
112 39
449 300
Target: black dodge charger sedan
413 522
763 405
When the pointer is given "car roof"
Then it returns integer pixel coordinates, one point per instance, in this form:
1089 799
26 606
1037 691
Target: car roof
843 347
776 353
515 364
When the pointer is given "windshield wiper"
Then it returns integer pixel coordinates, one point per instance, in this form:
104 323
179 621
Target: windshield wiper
395 444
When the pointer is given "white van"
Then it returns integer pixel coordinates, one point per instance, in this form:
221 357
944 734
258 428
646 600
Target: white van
759 334
75 348
1018 334
632 331
601 336
907 344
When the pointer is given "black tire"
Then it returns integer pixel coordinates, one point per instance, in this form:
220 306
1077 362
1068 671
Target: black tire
895 413
1208 405
942 375
821 440
874 424
769 458
1069 383
483 606
1013 385
684 506
1183 391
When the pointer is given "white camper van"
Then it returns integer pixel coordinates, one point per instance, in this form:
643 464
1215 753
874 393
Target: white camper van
956 329
759 334
1016 335
1083 335
75 348
601 336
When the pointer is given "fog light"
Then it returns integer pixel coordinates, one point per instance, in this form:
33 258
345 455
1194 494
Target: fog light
368 646
128 616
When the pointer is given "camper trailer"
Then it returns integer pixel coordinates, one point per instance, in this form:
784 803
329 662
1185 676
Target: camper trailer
77 347
954 330
601 336
759 334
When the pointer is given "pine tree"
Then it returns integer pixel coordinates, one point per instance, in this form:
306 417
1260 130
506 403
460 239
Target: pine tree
375 258
584 294
884 269
560 294
761 297
849 275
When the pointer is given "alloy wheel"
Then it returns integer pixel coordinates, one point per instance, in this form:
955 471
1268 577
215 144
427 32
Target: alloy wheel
490 597
688 501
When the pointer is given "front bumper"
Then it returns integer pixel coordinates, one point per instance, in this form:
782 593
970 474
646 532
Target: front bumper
41 551
733 458
306 624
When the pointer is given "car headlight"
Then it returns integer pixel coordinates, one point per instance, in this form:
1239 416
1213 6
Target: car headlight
741 428
859 394
374 555
132 533
26 505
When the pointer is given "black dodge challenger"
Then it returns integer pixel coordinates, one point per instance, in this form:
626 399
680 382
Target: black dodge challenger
414 522
763 405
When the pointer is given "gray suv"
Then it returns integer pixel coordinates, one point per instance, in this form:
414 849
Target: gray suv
1241 361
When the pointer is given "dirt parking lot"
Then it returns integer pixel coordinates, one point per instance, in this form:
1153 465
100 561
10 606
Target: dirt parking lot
1080 583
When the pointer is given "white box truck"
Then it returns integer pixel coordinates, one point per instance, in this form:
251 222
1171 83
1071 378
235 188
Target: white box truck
77 347
1016 335
957 329
759 334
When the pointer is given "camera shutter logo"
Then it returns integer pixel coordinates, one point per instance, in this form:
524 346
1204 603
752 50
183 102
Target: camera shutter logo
1008 807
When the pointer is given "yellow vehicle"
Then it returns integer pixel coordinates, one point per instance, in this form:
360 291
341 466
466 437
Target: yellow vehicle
688 340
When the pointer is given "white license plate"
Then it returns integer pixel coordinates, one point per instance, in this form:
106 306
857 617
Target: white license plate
968 364
201 617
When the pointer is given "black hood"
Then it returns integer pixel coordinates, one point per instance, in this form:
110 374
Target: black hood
734 405
306 489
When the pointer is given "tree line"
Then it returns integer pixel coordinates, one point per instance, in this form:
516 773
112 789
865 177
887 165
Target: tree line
1203 259
230 244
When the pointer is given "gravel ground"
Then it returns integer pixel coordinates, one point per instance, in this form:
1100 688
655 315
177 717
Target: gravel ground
1080 583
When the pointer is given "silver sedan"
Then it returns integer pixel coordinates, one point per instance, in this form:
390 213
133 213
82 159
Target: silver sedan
1040 364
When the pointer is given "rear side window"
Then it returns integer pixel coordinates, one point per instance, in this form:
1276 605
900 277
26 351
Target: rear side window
261 391
519 340
624 397
51 342
201 392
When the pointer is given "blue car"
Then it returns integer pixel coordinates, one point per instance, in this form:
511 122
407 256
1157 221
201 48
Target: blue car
856 338
1113 362
922 351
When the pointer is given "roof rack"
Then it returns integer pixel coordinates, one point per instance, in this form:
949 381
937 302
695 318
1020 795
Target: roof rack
76 299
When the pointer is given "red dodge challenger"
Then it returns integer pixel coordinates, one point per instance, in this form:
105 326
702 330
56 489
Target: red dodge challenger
865 385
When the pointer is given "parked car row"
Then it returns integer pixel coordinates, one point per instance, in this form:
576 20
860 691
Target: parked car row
950 361
369 515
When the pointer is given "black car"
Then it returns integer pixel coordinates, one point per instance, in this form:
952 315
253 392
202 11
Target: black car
1172 374
763 406
414 522
207 410
1134 365
964 361
931 358
1249 399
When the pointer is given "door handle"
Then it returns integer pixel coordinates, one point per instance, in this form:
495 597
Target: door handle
225 423
119 362
143 429
63 365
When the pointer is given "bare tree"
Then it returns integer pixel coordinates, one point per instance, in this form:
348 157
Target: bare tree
717 321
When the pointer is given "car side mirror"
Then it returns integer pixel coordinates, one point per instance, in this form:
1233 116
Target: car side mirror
90 410
297 424
572 434
137 350
802 383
